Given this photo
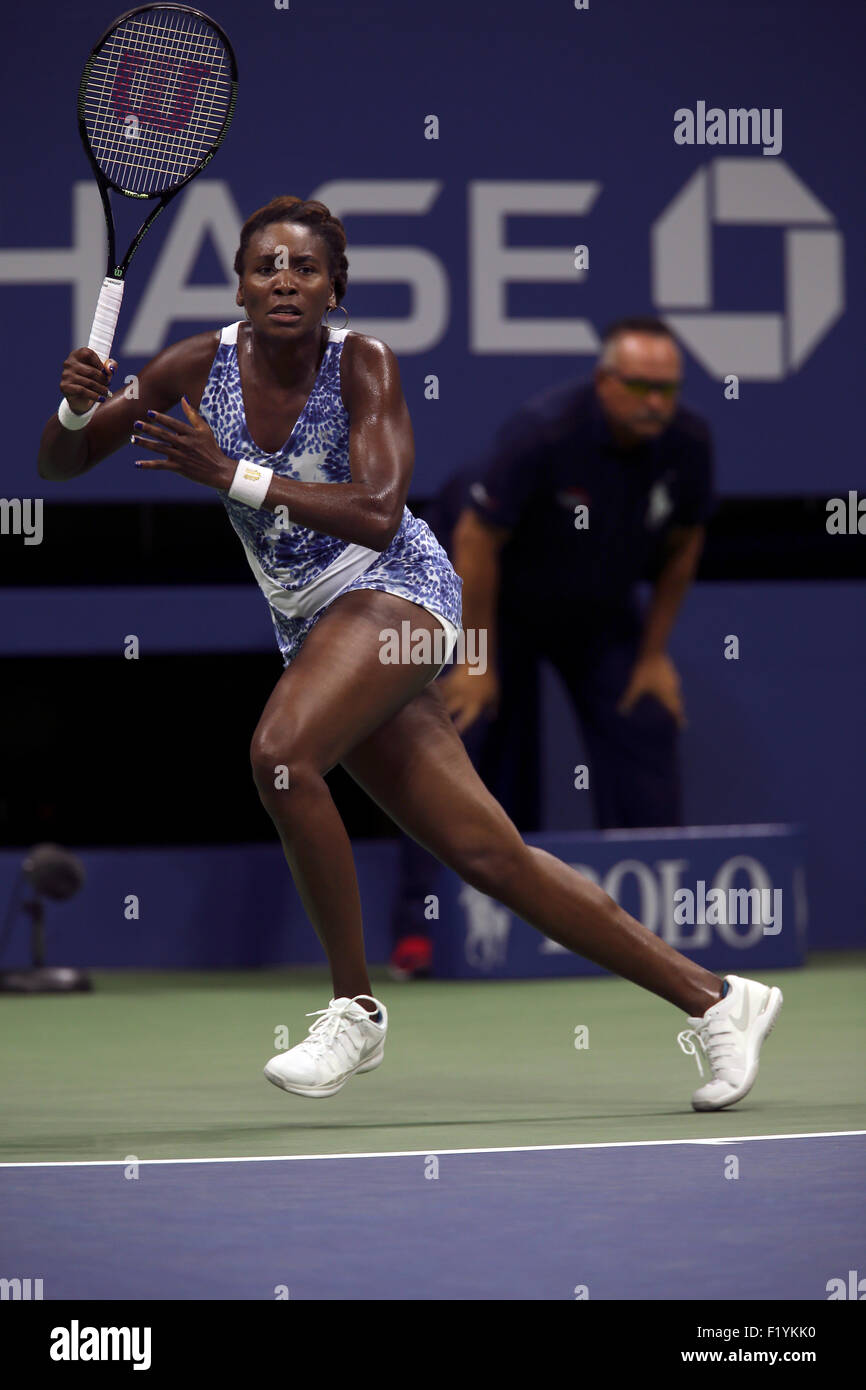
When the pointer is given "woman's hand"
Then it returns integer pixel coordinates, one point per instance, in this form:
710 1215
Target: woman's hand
84 379
189 449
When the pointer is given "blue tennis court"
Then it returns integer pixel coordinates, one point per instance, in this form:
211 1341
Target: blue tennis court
665 1220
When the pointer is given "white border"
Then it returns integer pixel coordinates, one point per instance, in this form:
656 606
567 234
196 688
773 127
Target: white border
426 1153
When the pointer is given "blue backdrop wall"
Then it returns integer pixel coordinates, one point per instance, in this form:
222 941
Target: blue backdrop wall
556 129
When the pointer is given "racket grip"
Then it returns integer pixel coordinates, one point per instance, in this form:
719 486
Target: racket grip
105 318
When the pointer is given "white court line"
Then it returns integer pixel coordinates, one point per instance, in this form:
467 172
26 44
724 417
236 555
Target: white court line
426 1153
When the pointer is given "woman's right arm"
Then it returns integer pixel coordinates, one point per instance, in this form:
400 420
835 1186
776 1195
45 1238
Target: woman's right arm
181 369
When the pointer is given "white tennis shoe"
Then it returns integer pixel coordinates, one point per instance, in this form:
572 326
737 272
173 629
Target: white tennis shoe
730 1035
344 1041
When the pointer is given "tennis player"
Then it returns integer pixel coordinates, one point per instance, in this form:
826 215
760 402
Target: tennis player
303 431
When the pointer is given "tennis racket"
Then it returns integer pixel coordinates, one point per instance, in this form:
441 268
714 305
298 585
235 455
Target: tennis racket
156 100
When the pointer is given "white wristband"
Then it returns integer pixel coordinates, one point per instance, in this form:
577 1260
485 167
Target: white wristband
250 483
68 418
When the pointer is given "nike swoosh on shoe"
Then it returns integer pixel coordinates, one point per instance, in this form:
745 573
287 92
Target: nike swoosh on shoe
742 1022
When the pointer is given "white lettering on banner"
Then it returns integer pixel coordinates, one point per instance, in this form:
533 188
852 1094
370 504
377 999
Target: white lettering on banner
208 209
421 270
648 912
663 903
735 192
493 265
760 879
747 192
669 871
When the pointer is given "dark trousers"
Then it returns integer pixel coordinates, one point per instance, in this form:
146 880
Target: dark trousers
633 759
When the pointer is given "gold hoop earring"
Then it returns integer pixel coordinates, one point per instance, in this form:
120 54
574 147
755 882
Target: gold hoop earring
328 323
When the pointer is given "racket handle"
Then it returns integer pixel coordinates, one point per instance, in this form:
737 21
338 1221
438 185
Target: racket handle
105 318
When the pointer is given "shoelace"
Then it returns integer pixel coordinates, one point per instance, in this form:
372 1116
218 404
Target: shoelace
717 1039
328 1025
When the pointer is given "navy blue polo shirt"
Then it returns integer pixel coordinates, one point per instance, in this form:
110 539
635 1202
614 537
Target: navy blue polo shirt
557 453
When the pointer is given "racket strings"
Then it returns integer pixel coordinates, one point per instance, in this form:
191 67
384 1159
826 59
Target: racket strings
168 70
152 51
158 156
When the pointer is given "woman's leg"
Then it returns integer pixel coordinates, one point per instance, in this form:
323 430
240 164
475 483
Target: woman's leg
416 768
333 695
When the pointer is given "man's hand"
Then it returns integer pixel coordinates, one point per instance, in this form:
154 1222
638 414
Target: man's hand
468 697
656 676
189 449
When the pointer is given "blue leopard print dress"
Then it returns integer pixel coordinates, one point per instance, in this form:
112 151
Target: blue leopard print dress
301 571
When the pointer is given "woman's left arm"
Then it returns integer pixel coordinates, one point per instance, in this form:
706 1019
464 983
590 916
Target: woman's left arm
368 510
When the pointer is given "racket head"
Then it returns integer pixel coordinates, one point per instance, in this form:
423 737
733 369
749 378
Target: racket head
156 99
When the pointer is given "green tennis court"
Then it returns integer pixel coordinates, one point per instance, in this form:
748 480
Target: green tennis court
170 1066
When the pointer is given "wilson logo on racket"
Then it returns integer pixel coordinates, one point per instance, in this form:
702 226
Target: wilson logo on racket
169 75
149 111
